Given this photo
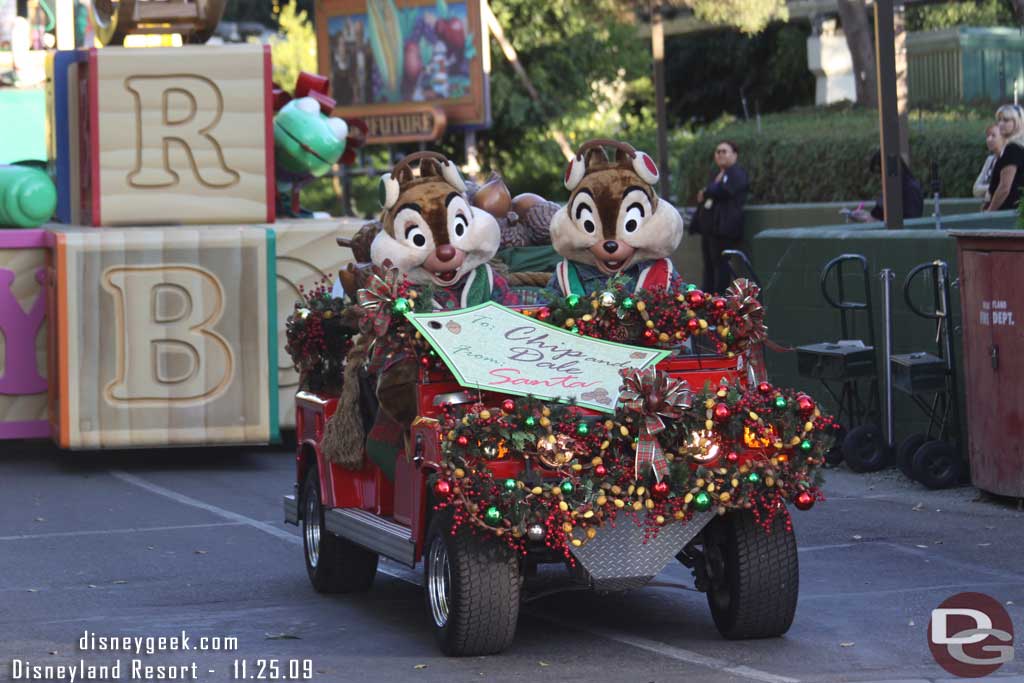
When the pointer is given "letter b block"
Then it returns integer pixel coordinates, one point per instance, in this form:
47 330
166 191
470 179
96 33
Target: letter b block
164 336
179 135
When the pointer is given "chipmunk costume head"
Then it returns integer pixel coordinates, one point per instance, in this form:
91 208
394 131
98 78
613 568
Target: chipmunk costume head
614 221
431 233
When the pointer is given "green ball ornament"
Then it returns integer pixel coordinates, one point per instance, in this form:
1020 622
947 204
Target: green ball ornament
754 478
573 300
690 288
702 501
530 421
493 516
510 484
628 303
582 429
567 487
780 402
401 305
806 446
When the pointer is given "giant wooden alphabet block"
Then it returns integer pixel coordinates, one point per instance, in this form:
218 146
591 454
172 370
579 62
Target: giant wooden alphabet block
306 253
172 135
162 336
23 338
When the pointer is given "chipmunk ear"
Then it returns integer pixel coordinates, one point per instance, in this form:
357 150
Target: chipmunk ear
574 172
645 167
451 174
388 191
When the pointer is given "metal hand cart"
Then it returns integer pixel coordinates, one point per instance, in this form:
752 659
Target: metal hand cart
850 363
932 457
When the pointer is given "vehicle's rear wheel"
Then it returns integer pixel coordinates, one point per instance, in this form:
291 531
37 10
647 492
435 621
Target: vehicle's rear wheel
755 576
472 588
334 564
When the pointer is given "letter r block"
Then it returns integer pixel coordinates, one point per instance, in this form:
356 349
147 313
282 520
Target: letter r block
177 136
163 336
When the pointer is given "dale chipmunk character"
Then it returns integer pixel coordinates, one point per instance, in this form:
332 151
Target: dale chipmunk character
431 233
614 223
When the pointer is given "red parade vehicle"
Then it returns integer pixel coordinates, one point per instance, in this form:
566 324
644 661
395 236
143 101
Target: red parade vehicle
351 518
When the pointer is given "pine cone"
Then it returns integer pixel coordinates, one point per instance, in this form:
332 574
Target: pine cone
361 241
537 222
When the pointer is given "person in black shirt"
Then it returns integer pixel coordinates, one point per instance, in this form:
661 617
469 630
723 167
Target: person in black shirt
1008 172
719 217
913 195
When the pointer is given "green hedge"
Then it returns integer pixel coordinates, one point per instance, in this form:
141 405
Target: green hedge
823 155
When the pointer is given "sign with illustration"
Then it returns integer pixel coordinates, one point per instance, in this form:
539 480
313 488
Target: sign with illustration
392 57
495 348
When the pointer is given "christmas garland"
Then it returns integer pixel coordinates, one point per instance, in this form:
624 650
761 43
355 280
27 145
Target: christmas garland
319 336
723 449
664 317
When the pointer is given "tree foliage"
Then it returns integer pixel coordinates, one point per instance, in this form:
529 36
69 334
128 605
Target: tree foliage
294 48
749 16
950 14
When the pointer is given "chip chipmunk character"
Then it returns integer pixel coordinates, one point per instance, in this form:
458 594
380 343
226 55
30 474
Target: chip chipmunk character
434 236
614 223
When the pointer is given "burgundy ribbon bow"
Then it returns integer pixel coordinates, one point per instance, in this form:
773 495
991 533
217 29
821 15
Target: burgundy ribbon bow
653 395
748 313
377 298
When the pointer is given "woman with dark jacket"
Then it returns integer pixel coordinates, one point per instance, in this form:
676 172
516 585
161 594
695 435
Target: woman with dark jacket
719 217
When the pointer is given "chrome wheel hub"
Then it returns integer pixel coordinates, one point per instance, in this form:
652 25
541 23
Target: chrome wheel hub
439 581
311 531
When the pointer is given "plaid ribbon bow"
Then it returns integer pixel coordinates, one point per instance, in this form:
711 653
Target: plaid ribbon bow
653 395
377 298
747 311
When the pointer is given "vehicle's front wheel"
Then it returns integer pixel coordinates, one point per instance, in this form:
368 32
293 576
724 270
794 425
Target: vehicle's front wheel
754 576
472 588
334 564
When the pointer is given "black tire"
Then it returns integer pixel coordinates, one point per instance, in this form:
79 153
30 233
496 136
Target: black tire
864 449
905 452
334 564
478 579
755 576
937 465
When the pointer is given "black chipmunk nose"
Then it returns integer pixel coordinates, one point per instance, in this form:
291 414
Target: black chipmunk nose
445 252
611 246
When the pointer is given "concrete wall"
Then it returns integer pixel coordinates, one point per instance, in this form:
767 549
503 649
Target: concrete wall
788 262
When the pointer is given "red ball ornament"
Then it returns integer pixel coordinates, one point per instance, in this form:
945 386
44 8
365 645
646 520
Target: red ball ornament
693 325
804 500
508 405
805 405
462 440
764 388
721 412
600 471
649 336
442 487
695 297
660 489
425 361
732 456
718 303
544 314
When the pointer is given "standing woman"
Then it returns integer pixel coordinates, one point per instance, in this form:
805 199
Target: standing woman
994 142
1008 171
719 216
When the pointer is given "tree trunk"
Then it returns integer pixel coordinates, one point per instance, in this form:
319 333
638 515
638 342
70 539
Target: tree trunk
1018 10
854 16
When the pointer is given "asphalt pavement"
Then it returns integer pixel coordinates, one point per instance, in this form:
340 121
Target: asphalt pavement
189 545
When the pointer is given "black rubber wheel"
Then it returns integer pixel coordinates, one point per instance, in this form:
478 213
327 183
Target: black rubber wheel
937 465
864 449
472 586
755 576
334 564
905 452
834 455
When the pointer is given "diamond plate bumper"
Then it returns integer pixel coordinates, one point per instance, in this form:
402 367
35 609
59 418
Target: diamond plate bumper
618 559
